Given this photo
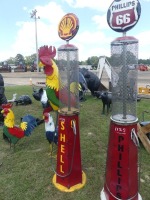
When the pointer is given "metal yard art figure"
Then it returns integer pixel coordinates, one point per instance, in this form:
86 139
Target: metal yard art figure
69 175
12 132
121 180
62 91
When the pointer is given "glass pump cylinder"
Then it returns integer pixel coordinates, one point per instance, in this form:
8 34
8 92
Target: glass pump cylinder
124 62
69 77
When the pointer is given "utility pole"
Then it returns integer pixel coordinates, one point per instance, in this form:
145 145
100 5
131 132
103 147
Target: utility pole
34 16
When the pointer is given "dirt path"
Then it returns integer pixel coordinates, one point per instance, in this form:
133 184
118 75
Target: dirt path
23 78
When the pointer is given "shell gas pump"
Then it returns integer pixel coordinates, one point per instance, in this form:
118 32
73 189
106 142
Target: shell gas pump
69 175
121 178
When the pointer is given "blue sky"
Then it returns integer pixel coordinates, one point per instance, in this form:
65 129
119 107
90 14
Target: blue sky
17 33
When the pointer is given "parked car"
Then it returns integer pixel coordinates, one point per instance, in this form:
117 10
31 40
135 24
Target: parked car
143 67
33 68
20 68
5 68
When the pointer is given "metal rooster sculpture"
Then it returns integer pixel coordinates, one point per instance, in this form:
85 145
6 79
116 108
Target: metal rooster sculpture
51 133
53 82
14 133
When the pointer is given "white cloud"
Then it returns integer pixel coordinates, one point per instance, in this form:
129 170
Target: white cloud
144 44
100 21
92 38
47 30
51 12
144 38
91 42
25 41
24 8
94 4
88 52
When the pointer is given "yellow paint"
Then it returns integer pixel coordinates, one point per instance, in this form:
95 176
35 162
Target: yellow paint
61 159
61 169
62 125
62 137
52 81
62 148
144 90
71 189
9 119
53 106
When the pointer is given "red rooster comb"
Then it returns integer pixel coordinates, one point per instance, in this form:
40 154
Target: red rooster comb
46 54
7 105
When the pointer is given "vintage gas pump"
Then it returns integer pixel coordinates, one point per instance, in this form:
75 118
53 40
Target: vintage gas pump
69 175
121 180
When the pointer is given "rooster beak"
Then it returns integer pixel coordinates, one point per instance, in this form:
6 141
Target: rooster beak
41 64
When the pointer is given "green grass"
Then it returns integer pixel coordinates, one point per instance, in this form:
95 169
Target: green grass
27 172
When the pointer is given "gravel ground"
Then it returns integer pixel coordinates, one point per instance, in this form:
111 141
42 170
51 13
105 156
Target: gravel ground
23 78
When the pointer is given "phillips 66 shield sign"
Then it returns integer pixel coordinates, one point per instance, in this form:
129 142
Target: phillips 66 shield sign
123 15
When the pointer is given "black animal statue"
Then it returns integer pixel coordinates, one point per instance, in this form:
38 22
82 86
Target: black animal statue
23 100
93 82
3 99
40 95
106 98
84 87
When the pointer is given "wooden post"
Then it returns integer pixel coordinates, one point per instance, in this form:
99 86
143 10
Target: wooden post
141 131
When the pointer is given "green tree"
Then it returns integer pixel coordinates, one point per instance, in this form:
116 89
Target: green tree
93 61
119 59
145 62
83 62
29 60
11 60
19 59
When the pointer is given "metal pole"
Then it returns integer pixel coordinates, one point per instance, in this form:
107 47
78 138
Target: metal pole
68 77
124 71
33 15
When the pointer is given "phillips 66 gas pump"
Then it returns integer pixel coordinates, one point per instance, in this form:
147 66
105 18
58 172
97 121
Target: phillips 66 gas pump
121 179
69 175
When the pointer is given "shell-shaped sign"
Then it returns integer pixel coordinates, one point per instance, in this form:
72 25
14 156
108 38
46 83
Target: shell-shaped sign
123 15
68 26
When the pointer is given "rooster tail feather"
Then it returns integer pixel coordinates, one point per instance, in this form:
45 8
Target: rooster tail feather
28 123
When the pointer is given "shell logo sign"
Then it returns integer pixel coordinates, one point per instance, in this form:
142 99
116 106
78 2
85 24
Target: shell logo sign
68 26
